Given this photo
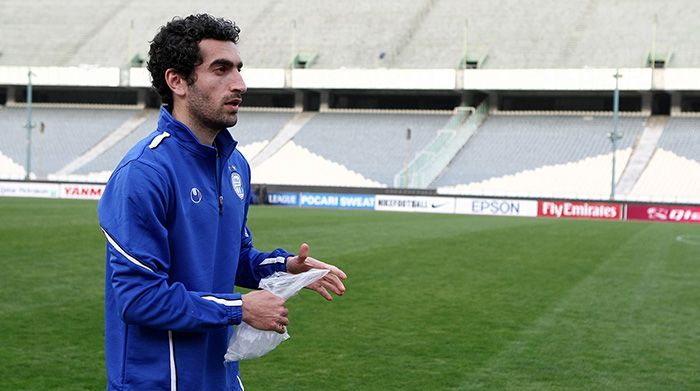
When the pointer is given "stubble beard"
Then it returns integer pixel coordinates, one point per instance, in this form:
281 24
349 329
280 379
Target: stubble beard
210 115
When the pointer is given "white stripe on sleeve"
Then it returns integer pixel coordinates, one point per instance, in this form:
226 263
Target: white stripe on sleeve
228 303
122 252
269 261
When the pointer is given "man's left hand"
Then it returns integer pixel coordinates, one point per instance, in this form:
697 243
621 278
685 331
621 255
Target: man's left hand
331 281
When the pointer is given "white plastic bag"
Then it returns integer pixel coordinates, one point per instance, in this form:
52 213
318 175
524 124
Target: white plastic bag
248 342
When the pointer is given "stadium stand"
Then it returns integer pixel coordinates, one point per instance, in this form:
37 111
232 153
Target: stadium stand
252 132
682 137
10 169
513 45
121 26
555 155
510 155
56 30
129 30
673 174
68 132
350 149
403 33
343 22
100 168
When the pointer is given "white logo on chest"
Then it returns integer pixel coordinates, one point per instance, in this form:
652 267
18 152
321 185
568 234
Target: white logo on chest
195 195
237 184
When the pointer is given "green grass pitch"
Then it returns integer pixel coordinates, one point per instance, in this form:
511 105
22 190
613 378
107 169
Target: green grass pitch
434 302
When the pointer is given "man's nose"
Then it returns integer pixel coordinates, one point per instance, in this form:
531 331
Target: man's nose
237 84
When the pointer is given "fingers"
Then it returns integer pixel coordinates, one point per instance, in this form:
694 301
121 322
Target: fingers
282 323
316 264
337 272
303 252
279 325
313 263
328 282
332 282
320 289
265 311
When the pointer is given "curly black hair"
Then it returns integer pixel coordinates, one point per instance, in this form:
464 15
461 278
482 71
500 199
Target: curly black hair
176 46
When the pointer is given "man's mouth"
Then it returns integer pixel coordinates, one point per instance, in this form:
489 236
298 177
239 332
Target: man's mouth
233 103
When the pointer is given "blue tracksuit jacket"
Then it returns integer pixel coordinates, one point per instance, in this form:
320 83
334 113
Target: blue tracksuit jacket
174 214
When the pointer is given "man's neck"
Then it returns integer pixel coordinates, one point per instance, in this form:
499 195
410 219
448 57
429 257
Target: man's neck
205 135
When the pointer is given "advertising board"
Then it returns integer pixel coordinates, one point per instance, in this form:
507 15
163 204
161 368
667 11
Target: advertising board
29 189
283 198
335 200
81 191
398 203
672 213
580 210
496 207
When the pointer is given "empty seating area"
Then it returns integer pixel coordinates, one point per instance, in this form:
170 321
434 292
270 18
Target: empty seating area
371 145
510 154
555 34
270 30
355 33
682 137
500 29
252 132
49 32
521 155
255 129
68 133
365 33
673 174
100 168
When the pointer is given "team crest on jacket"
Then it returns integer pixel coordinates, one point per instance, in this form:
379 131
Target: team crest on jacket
237 184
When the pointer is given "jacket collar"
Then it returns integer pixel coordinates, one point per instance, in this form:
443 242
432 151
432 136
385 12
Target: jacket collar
225 144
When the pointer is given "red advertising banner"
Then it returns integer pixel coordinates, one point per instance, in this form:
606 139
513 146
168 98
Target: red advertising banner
81 191
580 210
672 213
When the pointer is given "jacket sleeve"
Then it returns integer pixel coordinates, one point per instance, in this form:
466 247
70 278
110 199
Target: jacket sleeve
132 214
254 265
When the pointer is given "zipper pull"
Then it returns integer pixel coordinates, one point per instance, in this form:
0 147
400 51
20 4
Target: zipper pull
221 205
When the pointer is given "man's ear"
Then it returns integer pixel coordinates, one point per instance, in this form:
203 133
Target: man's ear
176 82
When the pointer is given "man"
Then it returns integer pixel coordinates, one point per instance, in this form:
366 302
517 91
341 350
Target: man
174 214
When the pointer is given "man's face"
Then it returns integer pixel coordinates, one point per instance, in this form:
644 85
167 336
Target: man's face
214 97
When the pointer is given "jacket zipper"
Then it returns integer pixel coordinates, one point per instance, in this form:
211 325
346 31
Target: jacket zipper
218 185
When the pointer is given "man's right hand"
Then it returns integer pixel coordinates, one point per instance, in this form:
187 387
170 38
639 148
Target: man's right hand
265 311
